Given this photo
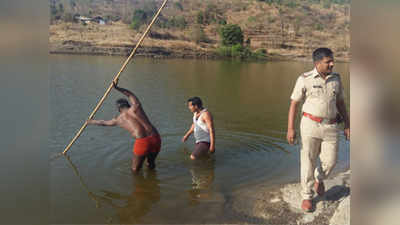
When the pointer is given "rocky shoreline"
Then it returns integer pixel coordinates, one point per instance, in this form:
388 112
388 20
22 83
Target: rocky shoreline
282 204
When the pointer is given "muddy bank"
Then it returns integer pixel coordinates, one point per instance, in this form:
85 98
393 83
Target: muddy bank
87 48
282 204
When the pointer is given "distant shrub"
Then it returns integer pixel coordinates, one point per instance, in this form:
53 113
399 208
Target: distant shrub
61 7
139 18
271 1
200 17
341 1
135 25
174 22
178 6
252 19
53 10
326 4
222 21
224 51
208 16
231 34
319 27
291 4
260 53
236 51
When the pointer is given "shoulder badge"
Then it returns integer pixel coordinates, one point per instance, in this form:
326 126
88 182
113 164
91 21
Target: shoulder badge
307 74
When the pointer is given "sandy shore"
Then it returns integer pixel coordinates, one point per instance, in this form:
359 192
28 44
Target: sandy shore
262 204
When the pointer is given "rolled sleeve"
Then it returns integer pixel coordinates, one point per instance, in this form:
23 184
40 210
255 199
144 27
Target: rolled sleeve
299 90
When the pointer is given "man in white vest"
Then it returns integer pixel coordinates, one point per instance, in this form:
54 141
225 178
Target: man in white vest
202 127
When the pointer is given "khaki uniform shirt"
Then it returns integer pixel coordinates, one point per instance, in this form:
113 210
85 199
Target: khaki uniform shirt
319 94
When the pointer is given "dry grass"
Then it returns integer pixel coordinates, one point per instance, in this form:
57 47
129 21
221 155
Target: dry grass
264 29
115 34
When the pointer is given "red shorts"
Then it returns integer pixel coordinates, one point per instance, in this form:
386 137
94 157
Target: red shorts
146 145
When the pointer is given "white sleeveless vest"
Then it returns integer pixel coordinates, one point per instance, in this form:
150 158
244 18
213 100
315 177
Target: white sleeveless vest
201 132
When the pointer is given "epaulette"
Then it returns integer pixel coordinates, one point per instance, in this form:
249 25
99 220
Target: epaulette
307 74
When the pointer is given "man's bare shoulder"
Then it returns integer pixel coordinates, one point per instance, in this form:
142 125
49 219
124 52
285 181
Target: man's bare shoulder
207 114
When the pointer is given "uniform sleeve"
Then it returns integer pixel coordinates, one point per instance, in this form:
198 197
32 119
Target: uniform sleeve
299 90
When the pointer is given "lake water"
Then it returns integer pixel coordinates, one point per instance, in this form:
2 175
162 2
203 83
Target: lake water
249 102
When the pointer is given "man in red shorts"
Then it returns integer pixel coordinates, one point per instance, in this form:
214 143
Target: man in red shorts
133 119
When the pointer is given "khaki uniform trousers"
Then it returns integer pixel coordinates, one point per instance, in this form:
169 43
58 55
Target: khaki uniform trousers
318 139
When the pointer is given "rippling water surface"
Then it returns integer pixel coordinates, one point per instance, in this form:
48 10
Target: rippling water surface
249 102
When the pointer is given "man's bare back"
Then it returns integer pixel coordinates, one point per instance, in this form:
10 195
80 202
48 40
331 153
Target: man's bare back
133 119
136 122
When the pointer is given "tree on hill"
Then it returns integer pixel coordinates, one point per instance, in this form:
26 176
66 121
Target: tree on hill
139 18
231 34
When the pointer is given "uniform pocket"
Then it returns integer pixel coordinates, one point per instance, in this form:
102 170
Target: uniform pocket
316 91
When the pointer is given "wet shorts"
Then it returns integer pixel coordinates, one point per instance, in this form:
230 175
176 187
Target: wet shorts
201 149
146 145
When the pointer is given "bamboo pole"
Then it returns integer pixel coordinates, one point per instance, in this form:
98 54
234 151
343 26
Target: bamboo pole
115 78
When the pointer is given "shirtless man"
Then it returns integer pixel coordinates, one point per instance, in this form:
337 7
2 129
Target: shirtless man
133 119
202 127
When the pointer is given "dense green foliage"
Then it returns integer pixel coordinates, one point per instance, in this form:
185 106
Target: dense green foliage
231 34
232 44
139 18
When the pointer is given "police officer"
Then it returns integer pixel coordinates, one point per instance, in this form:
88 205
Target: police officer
322 93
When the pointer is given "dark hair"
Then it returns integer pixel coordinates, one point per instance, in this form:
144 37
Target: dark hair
320 53
122 103
196 101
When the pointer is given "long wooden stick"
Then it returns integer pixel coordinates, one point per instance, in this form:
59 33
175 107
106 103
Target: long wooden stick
115 79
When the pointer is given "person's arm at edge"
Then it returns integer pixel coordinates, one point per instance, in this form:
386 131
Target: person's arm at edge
109 123
188 133
343 112
210 125
291 131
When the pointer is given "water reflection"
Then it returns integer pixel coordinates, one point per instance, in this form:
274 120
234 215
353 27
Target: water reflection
203 174
145 193
129 208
